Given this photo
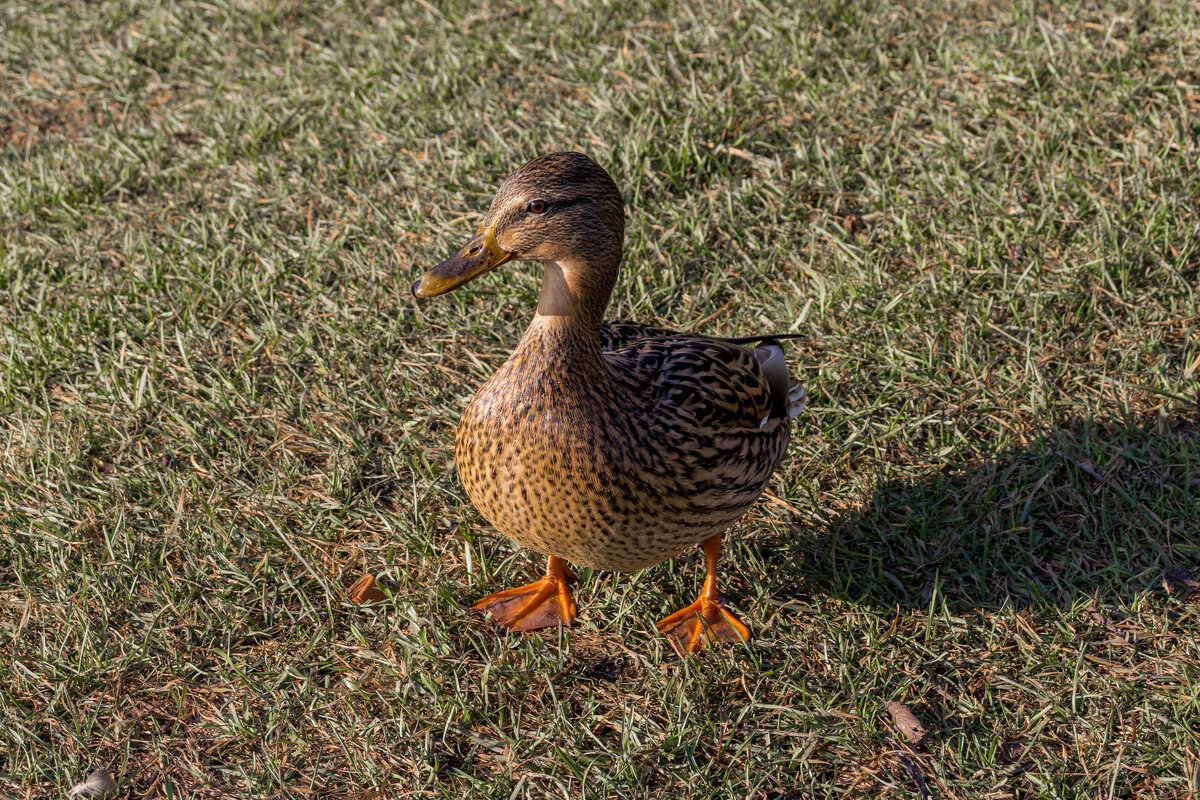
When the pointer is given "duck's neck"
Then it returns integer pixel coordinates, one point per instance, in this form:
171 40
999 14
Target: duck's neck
576 294
564 336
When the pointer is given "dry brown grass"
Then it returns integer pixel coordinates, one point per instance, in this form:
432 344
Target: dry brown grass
218 404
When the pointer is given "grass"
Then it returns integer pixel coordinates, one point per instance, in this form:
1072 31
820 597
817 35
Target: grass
219 405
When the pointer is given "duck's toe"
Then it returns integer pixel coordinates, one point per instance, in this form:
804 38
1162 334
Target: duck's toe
703 622
541 604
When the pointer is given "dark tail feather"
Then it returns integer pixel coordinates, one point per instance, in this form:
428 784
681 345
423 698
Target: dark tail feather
787 396
765 337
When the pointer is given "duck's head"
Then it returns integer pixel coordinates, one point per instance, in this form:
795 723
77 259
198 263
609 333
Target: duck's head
560 209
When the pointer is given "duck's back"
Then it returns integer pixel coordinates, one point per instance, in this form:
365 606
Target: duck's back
671 444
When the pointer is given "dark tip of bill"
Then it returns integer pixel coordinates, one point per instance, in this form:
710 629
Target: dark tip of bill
413 288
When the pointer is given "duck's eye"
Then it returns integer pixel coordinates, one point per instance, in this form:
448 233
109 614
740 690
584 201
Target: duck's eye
537 207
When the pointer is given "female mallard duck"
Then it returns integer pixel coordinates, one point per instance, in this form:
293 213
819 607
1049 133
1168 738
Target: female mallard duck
612 445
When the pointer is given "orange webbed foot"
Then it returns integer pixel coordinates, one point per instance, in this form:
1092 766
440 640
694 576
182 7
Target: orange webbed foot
541 604
704 621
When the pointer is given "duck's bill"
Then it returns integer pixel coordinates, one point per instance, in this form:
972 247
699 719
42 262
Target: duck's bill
477 257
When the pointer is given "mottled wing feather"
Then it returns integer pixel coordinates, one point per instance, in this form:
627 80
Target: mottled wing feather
621 473
615 335
698 381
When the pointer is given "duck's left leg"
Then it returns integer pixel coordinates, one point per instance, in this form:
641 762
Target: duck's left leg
707 619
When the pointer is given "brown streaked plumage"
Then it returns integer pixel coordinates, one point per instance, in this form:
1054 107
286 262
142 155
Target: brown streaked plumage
612 445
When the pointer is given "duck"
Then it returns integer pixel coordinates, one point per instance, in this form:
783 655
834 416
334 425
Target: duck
605 444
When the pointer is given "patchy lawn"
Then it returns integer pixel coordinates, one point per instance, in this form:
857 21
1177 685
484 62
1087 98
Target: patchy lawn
219 405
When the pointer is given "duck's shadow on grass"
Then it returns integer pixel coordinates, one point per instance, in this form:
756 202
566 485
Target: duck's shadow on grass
1096 506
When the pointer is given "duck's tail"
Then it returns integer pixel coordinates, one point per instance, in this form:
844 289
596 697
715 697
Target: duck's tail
762 337
797 398
787 396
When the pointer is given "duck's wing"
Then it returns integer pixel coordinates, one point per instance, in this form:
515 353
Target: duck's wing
699 382
615 335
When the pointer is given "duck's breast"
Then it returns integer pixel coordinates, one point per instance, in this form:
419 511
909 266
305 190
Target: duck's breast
601 480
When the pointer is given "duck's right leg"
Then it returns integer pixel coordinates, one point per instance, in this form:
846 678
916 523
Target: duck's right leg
541 604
